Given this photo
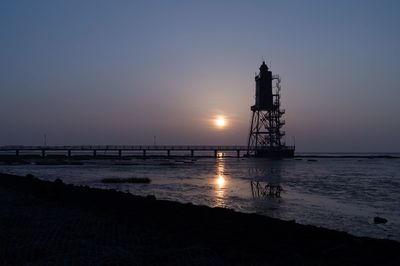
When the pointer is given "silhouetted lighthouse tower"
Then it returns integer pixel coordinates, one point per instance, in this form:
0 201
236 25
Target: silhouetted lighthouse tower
265 138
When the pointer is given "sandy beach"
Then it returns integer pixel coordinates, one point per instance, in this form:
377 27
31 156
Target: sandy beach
50 223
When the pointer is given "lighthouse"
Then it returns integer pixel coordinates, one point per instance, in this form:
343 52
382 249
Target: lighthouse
266 128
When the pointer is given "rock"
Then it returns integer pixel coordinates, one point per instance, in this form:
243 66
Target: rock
379 220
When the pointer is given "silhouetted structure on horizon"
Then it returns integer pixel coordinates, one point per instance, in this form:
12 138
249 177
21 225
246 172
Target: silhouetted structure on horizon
265 137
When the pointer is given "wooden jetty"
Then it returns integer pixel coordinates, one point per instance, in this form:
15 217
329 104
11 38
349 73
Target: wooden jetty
120 150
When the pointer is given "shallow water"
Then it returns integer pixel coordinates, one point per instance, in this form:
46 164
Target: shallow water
338 193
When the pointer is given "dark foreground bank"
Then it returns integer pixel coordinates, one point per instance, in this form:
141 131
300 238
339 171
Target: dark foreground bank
50 223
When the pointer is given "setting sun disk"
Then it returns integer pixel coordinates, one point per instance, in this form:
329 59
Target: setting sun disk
220 122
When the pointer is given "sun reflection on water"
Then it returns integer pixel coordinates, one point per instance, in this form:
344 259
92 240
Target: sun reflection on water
220 181
220 184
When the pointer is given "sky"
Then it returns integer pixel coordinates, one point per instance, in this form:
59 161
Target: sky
122 72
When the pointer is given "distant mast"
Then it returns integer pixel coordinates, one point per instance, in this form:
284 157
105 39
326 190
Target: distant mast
265 137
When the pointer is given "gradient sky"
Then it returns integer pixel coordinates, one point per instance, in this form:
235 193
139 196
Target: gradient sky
120 72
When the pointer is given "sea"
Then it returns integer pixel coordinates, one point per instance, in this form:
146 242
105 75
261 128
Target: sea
336 191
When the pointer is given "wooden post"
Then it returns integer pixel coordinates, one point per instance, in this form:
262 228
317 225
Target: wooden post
168 153
192 153
215 153
69 153
238 153
94 153
144 153
43 153
119 153
17 153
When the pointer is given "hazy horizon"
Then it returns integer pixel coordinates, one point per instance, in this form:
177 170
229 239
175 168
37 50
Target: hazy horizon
122 72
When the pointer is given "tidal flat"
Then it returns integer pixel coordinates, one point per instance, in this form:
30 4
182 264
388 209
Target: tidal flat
52 223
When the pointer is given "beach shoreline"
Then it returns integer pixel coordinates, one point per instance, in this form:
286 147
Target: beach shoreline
53 223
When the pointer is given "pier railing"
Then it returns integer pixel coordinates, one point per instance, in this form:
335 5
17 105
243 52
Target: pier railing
18 150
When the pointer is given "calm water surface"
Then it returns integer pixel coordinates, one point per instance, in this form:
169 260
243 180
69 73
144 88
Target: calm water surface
337 193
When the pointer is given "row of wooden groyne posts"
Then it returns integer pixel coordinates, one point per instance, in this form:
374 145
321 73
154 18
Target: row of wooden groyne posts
121 151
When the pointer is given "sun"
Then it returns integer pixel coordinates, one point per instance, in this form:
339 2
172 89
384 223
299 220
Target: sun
220 122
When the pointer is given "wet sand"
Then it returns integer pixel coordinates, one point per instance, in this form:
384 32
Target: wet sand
50 223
